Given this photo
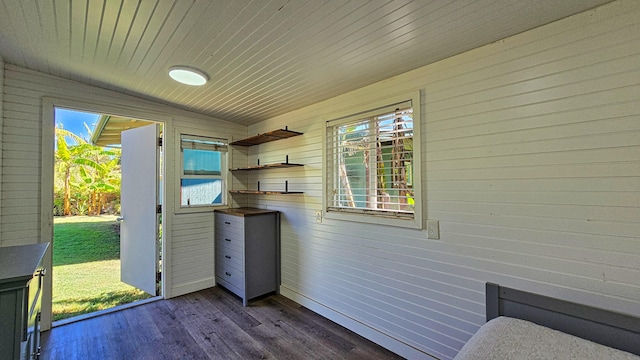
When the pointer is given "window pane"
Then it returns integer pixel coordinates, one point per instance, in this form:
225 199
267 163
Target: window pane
372 165
200 192
202 162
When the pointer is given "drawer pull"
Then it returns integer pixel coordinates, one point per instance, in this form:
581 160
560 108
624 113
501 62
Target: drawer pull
227 256
227 222
226 239
227 273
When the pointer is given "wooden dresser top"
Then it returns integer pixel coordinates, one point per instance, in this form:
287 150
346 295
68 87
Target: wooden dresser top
246 211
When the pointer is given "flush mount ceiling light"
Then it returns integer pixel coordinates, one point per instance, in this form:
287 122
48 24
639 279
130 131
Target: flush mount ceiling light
188 75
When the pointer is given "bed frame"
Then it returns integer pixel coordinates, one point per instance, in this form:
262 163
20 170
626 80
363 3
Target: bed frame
609 328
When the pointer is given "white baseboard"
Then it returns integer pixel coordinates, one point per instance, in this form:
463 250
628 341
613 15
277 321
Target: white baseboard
184 289
359 328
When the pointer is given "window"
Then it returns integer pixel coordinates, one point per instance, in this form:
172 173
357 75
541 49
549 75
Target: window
202 181
371 165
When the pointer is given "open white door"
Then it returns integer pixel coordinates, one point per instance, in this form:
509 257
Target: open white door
138 201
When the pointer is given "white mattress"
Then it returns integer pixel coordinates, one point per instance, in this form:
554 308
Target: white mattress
508 338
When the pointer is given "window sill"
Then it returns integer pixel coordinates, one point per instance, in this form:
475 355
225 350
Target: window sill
374 219
198 209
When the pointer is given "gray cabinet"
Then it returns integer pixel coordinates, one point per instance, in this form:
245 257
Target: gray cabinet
247 251
21 280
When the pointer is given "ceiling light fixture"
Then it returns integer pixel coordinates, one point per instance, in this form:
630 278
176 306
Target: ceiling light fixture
188 75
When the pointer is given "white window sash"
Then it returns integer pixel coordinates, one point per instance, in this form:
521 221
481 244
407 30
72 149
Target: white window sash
340 196
202 143
207 143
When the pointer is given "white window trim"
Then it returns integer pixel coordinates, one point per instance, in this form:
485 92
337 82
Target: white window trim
179 208
386 220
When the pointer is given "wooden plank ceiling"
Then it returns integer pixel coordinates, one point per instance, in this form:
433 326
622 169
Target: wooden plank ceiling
264 57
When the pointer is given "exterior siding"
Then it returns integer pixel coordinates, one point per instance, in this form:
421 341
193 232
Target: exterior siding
188 256
531 164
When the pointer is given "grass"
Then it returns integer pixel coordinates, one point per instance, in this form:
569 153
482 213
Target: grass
86 267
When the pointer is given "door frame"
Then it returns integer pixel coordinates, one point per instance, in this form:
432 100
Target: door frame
47 177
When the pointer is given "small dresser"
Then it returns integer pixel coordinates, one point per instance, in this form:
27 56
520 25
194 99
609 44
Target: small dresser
247 251
21 279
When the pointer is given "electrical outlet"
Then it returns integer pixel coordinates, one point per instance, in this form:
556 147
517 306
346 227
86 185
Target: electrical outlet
318 216
433 229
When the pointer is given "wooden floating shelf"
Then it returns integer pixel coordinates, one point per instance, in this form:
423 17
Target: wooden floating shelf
267 137
285 164
262 192
267 166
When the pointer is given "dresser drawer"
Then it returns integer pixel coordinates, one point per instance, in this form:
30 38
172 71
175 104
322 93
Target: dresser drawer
231 276
229 257
227 285
229 222
227 241
231 231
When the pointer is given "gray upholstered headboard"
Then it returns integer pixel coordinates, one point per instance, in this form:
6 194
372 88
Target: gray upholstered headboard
617 330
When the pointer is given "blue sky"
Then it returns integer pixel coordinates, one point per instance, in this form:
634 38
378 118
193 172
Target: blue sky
73 121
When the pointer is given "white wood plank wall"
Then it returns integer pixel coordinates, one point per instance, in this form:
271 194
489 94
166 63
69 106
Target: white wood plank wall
193 249
21 172
531 165
188 237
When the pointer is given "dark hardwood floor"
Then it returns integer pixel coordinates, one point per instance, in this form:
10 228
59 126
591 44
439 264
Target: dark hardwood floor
209 324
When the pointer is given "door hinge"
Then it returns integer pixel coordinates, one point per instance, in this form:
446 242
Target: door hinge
159 209
158 277
159 141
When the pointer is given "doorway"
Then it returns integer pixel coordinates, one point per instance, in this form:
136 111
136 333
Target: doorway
89 270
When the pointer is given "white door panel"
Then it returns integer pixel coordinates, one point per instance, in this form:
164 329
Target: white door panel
138 200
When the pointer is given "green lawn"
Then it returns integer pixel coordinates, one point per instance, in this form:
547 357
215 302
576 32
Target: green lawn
86 267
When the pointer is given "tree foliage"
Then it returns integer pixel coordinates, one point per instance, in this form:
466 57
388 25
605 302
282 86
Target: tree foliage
87 177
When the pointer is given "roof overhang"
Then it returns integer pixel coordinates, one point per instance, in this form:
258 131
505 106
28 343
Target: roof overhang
109 127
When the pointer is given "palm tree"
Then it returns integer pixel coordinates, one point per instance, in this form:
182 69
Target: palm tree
64 162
